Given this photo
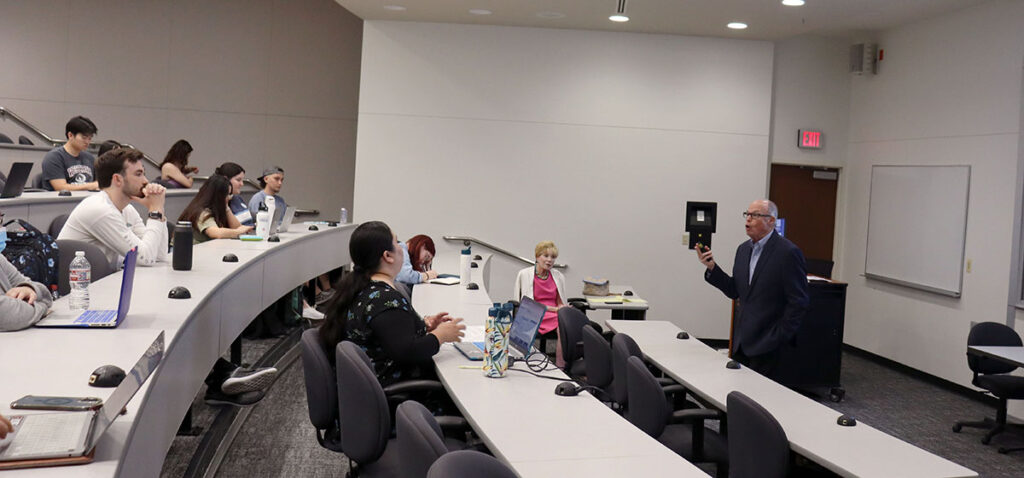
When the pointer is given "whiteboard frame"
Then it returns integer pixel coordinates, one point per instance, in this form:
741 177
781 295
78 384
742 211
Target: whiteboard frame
963 243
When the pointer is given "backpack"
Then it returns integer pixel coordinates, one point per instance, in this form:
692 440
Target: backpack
33 253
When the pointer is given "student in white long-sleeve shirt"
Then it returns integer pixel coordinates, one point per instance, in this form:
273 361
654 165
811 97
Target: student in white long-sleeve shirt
106 220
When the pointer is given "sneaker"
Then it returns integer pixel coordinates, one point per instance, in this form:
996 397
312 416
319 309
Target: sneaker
242 380
324 296
213 397
312 314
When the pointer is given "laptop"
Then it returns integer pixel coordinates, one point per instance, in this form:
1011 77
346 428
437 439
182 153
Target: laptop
102 318
520 337
46 439
16 180
282 223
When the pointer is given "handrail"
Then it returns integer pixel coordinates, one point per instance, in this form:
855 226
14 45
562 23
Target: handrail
4 112
466 240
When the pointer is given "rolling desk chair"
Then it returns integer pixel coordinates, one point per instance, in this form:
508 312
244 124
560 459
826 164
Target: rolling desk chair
66 250
681 431
469 464
321 391
597 355
994 376
420 441
570 336
624 347
57 224
758 447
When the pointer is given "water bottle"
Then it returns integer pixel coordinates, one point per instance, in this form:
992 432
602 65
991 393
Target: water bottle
262 221
464 266
271 209
496 343
80 274
344 216
181 260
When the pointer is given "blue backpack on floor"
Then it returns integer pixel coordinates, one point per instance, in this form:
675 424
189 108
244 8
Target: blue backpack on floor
33 252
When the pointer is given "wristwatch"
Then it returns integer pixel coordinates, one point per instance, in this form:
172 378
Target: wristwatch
159 216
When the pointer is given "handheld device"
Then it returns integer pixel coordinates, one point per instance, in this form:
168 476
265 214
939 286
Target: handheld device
70 404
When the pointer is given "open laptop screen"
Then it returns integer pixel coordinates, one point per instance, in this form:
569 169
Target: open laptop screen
525 325
127 389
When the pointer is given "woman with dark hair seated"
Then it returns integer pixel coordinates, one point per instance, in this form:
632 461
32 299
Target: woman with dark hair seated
208 212
236 174
175 171
368 310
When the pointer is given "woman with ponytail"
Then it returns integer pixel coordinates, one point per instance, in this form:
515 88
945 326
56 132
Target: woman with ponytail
368 310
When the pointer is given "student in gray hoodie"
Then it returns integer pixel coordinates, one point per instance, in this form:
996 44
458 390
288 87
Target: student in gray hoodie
23 302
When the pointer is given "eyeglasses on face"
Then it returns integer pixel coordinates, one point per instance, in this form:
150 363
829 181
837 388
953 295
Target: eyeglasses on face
747 214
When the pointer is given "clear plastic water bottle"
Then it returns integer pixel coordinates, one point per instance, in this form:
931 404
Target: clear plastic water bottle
344 216
80 273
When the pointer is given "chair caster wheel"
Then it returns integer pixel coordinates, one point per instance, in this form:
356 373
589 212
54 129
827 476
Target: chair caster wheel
986 440
956 428
1003 451
837 394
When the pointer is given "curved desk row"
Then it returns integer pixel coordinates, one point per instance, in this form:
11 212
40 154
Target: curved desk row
536 432
225 298
39 209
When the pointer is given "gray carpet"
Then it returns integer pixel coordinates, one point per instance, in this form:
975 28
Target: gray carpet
277 439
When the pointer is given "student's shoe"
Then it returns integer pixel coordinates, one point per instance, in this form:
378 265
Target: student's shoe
323 297
312 314
214 397
242 380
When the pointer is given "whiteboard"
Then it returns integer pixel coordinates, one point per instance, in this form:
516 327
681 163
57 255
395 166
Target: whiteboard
917 225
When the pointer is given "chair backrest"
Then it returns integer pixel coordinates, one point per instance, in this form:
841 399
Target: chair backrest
37 181
99 266
5 139
321 386
469 464
623 347
57 224
24 140
648 410
363 409
758 446
570 333
597 354
420 441
991 333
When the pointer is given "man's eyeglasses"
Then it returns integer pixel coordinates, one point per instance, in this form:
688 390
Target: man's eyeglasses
755 215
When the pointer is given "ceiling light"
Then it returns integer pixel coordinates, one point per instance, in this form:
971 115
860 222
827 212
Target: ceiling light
620 13
793 3
480 11
737 25
394 8
550 15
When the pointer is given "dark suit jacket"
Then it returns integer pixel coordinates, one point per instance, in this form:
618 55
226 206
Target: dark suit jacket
774 302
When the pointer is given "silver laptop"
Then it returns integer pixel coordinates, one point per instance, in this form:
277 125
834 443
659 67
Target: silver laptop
102 318
72 434
286 220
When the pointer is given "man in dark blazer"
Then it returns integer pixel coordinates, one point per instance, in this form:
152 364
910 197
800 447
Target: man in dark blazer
769 279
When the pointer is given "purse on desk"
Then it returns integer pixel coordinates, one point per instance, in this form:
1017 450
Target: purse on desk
595 286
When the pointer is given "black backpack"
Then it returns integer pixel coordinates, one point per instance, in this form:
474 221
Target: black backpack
33 252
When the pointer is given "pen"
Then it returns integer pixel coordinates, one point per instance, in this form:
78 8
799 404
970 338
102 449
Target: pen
471 367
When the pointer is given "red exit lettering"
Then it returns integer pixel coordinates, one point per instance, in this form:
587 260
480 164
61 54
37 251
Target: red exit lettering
810 139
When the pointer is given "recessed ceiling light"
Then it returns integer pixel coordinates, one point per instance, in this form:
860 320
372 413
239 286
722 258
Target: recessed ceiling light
550 15
394 8
793 3
737 25
480 11
619 18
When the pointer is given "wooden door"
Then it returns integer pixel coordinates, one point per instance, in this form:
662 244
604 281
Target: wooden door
806 197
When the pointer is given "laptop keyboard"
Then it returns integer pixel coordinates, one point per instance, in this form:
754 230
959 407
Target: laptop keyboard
49 433
96 316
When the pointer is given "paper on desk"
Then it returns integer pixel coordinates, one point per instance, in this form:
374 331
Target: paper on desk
445 280
635 301
605 300
473 333
811 278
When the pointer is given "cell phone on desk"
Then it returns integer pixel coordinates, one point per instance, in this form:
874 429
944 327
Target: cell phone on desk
250 237
69 404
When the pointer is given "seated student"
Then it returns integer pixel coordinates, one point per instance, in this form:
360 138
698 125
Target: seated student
70 167
174 171
368 310
418 255
236 174
546 286
23 302
271 181
106 219
208 212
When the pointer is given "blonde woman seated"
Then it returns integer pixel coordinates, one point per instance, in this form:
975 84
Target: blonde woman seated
208 212
546 286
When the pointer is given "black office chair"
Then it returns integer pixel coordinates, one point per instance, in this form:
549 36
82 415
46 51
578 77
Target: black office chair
570 336
98 264
469 464
758 447
624 347
597 355
25 141
37 181
993 376
57 224
321 391
681 431
5 139
419 438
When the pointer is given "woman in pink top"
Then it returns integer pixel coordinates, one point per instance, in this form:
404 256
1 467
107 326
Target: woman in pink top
547 286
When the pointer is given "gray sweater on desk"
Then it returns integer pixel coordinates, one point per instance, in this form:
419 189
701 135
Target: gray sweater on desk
17 314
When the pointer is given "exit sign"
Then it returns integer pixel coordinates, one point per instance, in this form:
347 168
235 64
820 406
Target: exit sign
810 139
